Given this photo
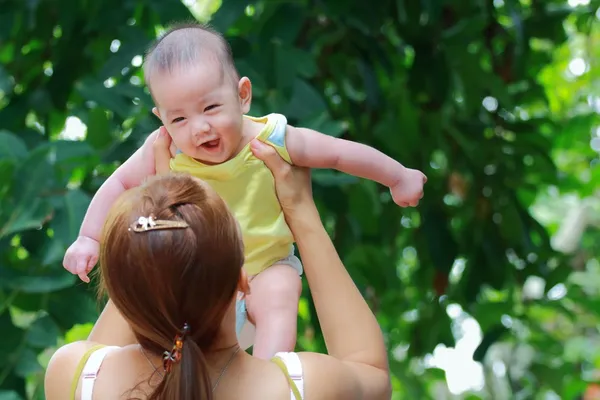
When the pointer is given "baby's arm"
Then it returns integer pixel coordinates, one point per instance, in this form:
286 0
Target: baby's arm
130 174
82 255
308 148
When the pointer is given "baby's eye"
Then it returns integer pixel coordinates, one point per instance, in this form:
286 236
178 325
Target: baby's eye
178 119
211 107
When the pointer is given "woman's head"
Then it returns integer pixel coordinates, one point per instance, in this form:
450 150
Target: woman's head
161 279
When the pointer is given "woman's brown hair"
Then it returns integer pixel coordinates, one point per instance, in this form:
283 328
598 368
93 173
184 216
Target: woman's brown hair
163 279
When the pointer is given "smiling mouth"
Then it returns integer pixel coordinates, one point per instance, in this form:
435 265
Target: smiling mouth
211 144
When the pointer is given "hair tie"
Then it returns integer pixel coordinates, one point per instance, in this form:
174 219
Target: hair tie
174 356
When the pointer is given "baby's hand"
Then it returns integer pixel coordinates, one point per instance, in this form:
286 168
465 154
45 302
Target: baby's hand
81 257
409 189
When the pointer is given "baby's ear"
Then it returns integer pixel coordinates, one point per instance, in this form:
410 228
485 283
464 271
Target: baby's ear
245 94
156 112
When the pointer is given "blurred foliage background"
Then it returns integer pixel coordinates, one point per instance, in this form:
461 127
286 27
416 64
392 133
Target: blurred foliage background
489 289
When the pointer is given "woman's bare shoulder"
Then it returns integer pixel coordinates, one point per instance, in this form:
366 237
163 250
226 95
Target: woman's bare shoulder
62 368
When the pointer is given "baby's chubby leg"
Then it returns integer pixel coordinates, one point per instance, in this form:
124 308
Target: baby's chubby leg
273 308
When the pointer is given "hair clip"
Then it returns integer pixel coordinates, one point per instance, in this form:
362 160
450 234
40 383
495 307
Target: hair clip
144 224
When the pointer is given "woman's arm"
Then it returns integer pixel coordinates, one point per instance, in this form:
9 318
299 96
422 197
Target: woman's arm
351 332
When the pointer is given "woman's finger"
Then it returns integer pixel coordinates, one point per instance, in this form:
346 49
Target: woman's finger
162 154
269 156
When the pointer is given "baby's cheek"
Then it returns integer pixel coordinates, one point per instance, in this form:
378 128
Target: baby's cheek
179 139
233 126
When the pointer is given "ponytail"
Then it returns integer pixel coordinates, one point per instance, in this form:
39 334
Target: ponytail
188 378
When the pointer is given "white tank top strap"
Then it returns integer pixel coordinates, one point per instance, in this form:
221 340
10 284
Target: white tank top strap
294 367
90 371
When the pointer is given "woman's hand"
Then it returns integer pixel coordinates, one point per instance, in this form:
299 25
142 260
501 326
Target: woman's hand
293 184
162 152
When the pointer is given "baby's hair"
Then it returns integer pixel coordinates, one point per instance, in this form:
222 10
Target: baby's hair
183 45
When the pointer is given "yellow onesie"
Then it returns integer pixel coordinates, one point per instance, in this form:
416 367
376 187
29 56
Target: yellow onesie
248 188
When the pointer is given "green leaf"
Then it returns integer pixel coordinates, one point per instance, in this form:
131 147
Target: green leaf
28 364
68 151
359 258
9 395
490 337
402 121
228 14
498 268
548 24
132 40
34 174
431 330
324 124
43 332
573 389
105 97
473 278
286 60
429 77
69 216
305 102
52 251
11 146
558 275
7 168
464 30
443 249
29 302
365 206
553 376
283 24
372 89
511 226
99 129
14 113
6 84
26 216
60 306
169 11
47 281
79 332
11 337
489 315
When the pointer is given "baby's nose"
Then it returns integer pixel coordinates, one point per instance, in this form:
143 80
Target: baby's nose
201 129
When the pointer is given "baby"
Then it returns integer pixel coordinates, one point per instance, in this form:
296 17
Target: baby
202 103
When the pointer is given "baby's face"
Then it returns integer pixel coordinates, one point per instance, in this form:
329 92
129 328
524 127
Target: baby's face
203 111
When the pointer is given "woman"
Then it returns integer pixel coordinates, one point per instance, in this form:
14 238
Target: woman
173 275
